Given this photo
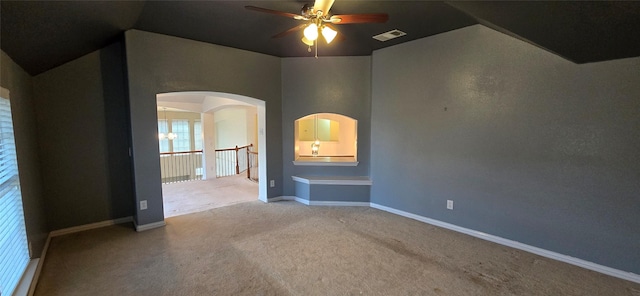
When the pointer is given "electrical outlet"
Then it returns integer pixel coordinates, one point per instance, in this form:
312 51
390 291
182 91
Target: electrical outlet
272 183
450 204
143 205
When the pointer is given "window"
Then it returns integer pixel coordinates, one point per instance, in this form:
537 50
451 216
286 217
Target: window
197 135
163 129
182 142
14 257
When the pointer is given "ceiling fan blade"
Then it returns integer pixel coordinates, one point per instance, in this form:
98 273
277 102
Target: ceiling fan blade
341 19
287 32
323 5
281 13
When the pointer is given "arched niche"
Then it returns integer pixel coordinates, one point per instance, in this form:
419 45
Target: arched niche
326 139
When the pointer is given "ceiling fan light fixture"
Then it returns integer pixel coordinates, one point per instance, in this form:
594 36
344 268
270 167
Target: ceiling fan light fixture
170 136
328 33
307 41
311 32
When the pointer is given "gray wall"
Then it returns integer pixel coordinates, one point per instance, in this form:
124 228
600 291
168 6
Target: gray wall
531 147
325 85
18 82
83 139
158 64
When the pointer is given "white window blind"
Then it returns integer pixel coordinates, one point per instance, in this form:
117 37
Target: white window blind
13 238
181 129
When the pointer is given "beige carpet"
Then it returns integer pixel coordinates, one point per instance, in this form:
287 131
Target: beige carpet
286 248
196 196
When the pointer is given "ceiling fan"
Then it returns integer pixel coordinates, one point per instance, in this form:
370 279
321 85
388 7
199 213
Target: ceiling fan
318 21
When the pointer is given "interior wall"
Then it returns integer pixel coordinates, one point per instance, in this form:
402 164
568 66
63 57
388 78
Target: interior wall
231 127
82 124
529 146
116 115
160 64
339 85
18 82
252 127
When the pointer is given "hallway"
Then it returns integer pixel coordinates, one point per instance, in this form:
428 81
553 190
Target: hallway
195 196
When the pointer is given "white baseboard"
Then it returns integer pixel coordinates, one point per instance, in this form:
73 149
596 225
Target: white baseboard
45 249
279 198
36 276
148 226
302 200
27 278
90 226
517 245
326 203
338 203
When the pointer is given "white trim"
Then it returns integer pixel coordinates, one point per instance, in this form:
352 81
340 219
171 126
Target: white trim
90 226
333 180
27 278
338 203
326 163
279 198
148 226
517 245
36 276
301 200
327 203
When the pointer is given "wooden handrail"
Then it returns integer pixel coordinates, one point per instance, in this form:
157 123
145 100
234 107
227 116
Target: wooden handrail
180 152
236 148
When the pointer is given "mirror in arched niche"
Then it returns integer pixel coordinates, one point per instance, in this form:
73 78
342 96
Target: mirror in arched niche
326 138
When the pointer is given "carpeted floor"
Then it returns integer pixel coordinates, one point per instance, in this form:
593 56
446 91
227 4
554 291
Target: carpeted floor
196 196
286 248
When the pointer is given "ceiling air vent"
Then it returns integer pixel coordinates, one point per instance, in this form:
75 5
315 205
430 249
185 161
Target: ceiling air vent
389 35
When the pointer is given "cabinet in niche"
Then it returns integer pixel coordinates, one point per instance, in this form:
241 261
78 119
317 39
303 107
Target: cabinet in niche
311 129
326 138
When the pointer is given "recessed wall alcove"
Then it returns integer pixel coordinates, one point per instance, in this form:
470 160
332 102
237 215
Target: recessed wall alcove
326 139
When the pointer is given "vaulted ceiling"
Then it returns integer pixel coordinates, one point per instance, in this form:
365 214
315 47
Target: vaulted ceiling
41 35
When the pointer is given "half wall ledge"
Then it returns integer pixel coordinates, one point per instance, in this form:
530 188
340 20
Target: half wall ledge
333 180
313 189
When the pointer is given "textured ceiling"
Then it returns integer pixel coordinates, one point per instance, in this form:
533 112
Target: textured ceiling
40 35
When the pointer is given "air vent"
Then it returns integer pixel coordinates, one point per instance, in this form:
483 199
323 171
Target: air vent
389 35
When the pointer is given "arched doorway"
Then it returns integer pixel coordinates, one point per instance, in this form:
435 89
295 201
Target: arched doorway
205 104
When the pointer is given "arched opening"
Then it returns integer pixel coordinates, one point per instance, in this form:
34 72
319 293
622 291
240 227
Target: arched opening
188 142
326 138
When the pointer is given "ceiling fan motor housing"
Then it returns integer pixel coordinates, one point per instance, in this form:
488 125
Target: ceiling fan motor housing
307 11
